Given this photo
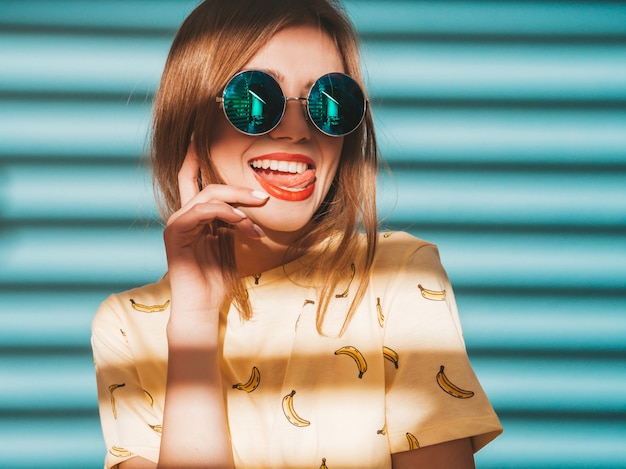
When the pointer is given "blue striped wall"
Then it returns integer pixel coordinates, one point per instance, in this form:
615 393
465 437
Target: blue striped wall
504 124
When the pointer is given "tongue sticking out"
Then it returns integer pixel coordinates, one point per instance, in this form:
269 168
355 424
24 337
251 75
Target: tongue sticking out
291 180
286 180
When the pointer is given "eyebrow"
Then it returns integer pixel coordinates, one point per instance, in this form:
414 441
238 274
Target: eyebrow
275 73
281 78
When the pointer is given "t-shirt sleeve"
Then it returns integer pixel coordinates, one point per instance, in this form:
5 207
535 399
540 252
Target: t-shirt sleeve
432 394
128 423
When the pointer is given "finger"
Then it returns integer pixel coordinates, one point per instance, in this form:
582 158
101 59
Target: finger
233 195
190 222
188 175
227 196
203 214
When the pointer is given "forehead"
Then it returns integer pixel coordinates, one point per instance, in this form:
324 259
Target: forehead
298 55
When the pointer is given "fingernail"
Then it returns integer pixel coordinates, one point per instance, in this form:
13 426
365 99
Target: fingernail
257 229
260 195
240 213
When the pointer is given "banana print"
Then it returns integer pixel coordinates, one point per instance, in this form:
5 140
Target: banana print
388 234
379 311
357 356
120 452
252 383
148 397
345 293
112 388
451 388
149 308
257 277
157 428
290 412
382 431
434 295
124 335
391 355
323 466
413 444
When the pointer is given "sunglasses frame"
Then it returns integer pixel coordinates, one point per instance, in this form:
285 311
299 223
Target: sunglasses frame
304 100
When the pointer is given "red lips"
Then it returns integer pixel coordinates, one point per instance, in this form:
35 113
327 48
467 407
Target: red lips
285 176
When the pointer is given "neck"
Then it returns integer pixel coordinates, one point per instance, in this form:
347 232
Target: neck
260 255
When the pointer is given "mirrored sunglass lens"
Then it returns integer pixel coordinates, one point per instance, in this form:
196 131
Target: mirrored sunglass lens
336 104
253 102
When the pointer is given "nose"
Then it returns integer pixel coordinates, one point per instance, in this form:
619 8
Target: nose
294 125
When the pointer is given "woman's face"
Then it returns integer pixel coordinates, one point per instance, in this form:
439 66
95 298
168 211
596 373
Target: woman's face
274 162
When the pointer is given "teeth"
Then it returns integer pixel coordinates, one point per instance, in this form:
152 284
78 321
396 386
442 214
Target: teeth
292 167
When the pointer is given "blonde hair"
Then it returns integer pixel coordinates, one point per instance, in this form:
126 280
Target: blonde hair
215 41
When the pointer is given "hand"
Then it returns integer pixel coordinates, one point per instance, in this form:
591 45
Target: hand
192 243
195 428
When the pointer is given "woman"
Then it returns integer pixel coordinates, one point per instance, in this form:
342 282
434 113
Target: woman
287 333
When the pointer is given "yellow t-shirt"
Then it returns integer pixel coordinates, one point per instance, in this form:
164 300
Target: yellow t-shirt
398 378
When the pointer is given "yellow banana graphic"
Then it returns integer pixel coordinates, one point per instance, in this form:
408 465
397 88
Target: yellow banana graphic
381 316
435 295
156 428
120 452
413 444
257 277
124 335
149 308
357 356
345 293
290 412
388 234
382 431
323 466
148 397
451 388
252 383
391 355
112 388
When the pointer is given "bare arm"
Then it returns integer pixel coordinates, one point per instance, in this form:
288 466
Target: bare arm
457 454
137 463
195 430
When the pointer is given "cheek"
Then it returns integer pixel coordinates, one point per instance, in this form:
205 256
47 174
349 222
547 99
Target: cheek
226 148
223 135
332 150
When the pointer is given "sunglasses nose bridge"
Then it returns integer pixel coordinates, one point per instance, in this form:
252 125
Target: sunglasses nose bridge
303 101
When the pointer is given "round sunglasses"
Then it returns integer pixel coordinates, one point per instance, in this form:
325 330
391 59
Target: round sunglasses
254 103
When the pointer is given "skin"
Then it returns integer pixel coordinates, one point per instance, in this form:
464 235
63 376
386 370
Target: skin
195 432
296 58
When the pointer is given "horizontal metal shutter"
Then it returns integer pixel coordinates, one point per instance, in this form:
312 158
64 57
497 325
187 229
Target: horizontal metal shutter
503 123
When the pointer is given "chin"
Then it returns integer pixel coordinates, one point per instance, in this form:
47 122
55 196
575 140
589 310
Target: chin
281 222
294 227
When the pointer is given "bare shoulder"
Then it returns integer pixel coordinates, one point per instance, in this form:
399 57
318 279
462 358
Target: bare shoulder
455 453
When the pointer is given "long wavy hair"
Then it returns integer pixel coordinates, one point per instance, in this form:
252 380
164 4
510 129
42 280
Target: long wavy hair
215 41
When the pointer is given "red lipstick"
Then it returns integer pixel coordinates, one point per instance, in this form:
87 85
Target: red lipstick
285 176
